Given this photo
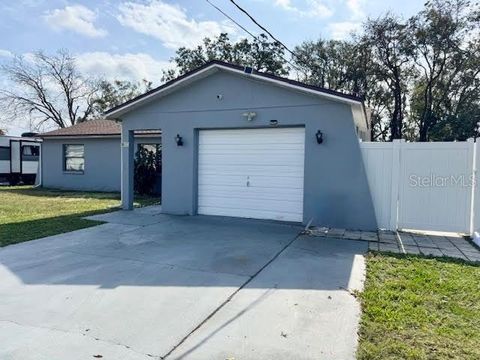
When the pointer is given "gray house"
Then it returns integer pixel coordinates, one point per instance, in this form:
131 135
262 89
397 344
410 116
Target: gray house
86 156
240 143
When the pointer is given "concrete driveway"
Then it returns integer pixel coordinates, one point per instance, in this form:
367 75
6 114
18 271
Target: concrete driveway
147 285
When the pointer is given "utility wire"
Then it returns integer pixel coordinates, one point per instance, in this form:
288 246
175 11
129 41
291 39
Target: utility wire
232 20
254 36
263 28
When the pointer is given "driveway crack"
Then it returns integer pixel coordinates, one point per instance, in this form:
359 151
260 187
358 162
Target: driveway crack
230 297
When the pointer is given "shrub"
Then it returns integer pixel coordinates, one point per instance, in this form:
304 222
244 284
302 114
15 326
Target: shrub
147 164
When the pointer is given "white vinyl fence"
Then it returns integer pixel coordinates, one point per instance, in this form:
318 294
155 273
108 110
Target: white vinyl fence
424 186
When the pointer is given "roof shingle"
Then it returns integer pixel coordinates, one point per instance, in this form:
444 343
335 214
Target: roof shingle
88 128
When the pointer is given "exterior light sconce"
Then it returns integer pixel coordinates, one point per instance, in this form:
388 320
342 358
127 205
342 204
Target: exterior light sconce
319 136
179 140
250 115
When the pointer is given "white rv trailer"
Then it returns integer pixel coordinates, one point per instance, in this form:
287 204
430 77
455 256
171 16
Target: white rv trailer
19 159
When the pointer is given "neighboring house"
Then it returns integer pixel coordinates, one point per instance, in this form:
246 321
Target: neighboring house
241 143
86 156
19 158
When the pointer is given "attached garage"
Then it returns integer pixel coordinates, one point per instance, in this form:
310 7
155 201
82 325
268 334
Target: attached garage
252 173
237 142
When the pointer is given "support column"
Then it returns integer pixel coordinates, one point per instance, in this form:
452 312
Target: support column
127 158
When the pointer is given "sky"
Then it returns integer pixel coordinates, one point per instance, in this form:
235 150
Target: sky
135 39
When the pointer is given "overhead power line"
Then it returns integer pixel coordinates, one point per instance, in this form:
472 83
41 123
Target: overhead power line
253 35
263 28
232 20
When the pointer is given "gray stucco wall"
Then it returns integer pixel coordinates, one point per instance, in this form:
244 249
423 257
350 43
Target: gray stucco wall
102 164
336 188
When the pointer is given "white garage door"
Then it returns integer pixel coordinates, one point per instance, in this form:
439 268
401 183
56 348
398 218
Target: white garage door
252 173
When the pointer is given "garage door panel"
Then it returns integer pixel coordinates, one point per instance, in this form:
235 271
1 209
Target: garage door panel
250 159
243 148
254 182
253 170
260 137
232 201
289 194
251 214
256 173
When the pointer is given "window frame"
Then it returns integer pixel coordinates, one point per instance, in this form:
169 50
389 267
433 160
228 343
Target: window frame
65 157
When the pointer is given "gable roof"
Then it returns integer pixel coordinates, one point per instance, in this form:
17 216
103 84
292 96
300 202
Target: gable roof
88 128
216 65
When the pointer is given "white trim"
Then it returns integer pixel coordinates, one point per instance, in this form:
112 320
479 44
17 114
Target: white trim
177 83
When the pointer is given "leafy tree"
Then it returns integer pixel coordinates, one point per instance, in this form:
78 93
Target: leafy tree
146 165
260 53
111 94
347 66
329 64
448 59
48 89
391 49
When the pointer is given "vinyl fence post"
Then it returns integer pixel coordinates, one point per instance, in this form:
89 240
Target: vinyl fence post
473 156
396 165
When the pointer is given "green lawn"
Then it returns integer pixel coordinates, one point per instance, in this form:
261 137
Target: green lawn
420 308
27 213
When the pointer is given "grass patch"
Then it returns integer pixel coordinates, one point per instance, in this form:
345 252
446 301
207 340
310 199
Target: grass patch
420 308
27 213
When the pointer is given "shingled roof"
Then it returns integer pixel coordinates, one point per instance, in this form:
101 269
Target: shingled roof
88 128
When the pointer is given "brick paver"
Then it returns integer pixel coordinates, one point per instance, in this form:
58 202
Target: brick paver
404 242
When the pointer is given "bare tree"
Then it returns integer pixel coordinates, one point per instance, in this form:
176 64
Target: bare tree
47 89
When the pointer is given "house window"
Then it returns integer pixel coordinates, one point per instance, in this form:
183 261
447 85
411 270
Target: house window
73 156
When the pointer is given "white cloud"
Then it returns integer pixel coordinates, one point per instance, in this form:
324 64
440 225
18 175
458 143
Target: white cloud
5 53
169 23
355 7
133 67
315 8
341 30
76 18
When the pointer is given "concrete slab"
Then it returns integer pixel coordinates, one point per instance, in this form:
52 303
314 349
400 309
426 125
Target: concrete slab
316 320
133 289
142 216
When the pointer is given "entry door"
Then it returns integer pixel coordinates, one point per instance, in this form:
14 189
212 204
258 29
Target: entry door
252 173
15 157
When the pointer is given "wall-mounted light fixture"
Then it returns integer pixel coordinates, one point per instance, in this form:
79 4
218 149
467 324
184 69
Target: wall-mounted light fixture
179 140
250 115
319 136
